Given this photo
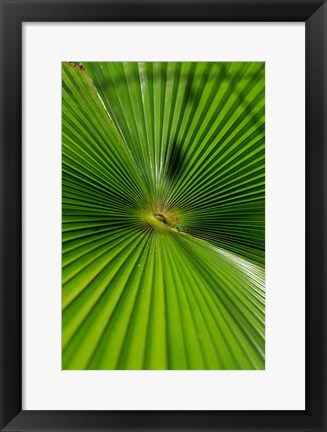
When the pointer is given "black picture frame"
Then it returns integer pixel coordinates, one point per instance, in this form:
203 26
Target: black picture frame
13 14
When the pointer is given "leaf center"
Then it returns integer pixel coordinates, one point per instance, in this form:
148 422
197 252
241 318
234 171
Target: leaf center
160 217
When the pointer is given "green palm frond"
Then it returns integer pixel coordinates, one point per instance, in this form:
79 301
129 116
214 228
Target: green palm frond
163 216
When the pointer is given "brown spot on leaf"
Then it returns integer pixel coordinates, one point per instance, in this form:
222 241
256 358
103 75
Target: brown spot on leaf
77 66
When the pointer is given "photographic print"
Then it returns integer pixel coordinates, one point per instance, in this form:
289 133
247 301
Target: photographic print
163 215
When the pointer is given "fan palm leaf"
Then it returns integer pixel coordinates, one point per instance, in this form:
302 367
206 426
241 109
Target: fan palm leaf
163 201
